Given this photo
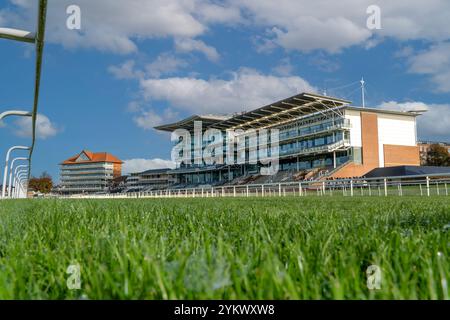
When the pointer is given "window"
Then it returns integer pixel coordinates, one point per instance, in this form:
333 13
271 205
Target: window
82 157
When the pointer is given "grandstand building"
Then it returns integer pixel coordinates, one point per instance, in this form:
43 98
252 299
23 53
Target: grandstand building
154 179
89 172
319 136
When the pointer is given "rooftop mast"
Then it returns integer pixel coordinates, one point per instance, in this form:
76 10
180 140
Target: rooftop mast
362 92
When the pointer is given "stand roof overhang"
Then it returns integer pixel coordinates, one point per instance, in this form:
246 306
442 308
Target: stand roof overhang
270 115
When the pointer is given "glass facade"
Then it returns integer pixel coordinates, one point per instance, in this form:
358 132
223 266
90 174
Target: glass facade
320 141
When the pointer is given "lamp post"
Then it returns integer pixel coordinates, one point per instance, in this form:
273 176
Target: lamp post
5 173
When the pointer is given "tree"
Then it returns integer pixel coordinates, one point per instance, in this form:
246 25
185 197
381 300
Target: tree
438 155
43 184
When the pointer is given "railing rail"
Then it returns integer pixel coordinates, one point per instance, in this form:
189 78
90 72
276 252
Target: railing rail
414 185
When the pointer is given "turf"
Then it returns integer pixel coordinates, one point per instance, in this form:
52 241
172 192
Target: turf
243 248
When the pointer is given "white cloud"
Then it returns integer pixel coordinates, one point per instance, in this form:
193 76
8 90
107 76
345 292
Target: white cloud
145 116
306 25
139 165
246 89
433 124
44 127
190 45
165 64
434 62
285 68
147 119
125 71
302 25
115 25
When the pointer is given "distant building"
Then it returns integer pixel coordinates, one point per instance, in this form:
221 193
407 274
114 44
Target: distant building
149 180
424 147
89 172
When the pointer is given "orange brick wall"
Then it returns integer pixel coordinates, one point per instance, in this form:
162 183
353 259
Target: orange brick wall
117 170
370 153
401 155
369 136
351 170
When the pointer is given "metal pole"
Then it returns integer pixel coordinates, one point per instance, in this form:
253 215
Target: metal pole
17 35
10 171
385 187
351 187
428 186
5 173
16 189
17 176
15 113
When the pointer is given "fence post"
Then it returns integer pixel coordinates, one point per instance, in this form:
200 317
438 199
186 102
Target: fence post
385 187
351 187
446 191
428 186
370 191
247 190
279 189
202 192
437 188
324 188
420 186
234 191
262 190
300 191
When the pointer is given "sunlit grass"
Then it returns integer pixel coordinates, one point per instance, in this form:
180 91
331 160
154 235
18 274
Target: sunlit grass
274 248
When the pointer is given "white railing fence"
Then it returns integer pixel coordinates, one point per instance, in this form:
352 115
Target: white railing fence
421 185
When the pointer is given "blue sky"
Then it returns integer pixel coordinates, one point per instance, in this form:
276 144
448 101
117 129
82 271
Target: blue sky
135 64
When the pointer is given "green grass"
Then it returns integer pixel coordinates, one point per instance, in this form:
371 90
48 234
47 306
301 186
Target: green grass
272 248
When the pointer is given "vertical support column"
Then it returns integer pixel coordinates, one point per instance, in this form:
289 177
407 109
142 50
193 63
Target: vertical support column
334 160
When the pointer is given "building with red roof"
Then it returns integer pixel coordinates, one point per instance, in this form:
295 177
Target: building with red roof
89 172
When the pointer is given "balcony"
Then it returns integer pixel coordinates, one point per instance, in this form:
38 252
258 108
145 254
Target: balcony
344 143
